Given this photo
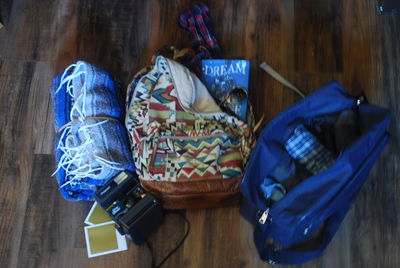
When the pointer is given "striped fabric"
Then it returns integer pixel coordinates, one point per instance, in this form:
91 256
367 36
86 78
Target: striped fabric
91 145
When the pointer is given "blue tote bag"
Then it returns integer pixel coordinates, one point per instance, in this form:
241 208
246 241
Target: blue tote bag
306 169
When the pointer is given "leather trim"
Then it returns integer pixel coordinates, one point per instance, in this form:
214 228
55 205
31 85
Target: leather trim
195 194
200 201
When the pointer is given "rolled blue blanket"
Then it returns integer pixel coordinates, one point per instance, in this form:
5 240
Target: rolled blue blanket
91 145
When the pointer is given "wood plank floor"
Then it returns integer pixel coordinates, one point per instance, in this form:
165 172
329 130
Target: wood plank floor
310 42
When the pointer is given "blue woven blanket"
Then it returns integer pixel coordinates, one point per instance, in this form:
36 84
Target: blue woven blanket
91 145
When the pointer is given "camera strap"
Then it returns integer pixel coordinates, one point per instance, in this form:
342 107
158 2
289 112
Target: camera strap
153 259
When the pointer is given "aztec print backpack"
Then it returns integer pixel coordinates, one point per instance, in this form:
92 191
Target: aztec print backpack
186 150
306 170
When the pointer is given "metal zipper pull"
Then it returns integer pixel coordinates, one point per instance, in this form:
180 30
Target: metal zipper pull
264 216
360 100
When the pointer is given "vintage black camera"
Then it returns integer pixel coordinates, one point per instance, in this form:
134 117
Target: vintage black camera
135 212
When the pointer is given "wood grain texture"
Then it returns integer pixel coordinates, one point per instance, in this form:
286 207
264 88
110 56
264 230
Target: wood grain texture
309 42
318 35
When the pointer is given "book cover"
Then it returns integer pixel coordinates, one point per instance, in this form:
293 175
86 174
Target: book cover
228 82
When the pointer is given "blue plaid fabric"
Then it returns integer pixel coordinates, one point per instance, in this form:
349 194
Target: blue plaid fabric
303 146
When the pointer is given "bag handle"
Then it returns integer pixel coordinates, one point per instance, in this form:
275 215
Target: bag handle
286 257
280 78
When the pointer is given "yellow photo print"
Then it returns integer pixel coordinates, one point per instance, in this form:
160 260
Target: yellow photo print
103 239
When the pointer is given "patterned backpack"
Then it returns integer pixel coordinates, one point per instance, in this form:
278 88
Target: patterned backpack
186 150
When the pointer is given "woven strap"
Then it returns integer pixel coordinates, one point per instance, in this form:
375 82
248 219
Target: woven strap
278 77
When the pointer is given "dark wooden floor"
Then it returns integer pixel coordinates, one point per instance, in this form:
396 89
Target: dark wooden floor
310 42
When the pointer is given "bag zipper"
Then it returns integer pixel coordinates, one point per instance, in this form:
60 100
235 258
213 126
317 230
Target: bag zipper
265 214
382 141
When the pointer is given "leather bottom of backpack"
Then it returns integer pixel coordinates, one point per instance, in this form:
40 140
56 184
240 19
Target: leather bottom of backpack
195 194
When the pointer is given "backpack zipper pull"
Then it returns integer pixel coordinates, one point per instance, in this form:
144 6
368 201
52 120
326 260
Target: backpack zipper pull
264 216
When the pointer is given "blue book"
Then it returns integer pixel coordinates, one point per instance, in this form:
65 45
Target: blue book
228 82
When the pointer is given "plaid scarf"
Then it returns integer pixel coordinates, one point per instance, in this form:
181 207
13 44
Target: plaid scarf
205 46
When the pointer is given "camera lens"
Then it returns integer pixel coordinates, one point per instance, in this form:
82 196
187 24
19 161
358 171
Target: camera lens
236 96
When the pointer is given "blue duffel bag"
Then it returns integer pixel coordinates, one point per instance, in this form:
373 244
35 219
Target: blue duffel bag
306 169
